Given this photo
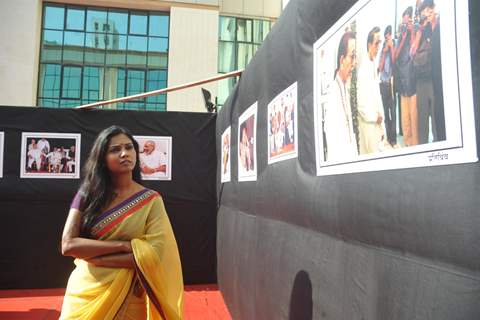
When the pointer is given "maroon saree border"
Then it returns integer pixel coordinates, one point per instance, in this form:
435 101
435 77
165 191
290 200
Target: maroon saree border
106 213
149 291
122 212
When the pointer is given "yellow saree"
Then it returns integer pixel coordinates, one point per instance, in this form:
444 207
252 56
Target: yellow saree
108 293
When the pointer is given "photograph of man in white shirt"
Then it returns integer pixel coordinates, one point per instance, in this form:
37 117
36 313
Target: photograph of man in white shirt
155 157
153 162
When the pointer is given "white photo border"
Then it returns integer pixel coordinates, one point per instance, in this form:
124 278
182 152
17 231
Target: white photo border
226 177
451 151
168 140
251 111
294 153
27 135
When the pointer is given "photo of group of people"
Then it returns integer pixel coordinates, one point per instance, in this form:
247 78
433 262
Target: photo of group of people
379 82
225 173
50 155
155 157
282 126
247 151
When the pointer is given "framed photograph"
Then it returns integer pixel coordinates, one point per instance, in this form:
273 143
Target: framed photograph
247 144
155 157
2 144
282 126
50 155
226 137
379 79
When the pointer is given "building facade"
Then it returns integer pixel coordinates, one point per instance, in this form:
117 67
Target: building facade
72 52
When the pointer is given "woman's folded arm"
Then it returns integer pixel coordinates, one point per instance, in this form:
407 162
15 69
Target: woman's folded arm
116 260
75 246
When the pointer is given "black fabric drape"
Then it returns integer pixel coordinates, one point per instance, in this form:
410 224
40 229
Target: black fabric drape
397 244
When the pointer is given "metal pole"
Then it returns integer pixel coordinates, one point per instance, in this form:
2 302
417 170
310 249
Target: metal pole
160 91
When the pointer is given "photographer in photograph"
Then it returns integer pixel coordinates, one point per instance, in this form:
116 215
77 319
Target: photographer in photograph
385 68
406 80
429 77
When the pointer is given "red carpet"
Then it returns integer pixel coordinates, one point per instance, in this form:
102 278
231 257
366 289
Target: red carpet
202 302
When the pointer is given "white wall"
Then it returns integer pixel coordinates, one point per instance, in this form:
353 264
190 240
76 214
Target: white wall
251 8
193 47
140 4
20 23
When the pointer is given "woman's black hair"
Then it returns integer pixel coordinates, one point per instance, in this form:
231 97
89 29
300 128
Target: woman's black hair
96 184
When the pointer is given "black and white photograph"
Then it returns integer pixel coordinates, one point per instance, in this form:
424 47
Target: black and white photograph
380 87
155 157
50 155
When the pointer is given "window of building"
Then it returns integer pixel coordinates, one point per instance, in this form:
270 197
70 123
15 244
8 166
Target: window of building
239 39
93 54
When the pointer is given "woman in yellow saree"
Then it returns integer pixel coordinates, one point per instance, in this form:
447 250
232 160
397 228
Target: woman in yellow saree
127 261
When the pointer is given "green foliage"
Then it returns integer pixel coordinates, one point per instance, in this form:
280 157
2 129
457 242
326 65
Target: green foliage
354 105
353 94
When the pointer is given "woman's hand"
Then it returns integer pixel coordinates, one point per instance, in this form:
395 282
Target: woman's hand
127 247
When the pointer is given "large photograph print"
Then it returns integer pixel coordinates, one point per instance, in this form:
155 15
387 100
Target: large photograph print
155 157
247 144
382 97
282 126
50 155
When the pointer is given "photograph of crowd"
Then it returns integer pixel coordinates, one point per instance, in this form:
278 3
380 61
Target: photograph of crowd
247 129
50 155
155 157
379 82
2 143
282 126
225 169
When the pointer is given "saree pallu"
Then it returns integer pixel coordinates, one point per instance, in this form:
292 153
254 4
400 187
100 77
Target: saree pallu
108 293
